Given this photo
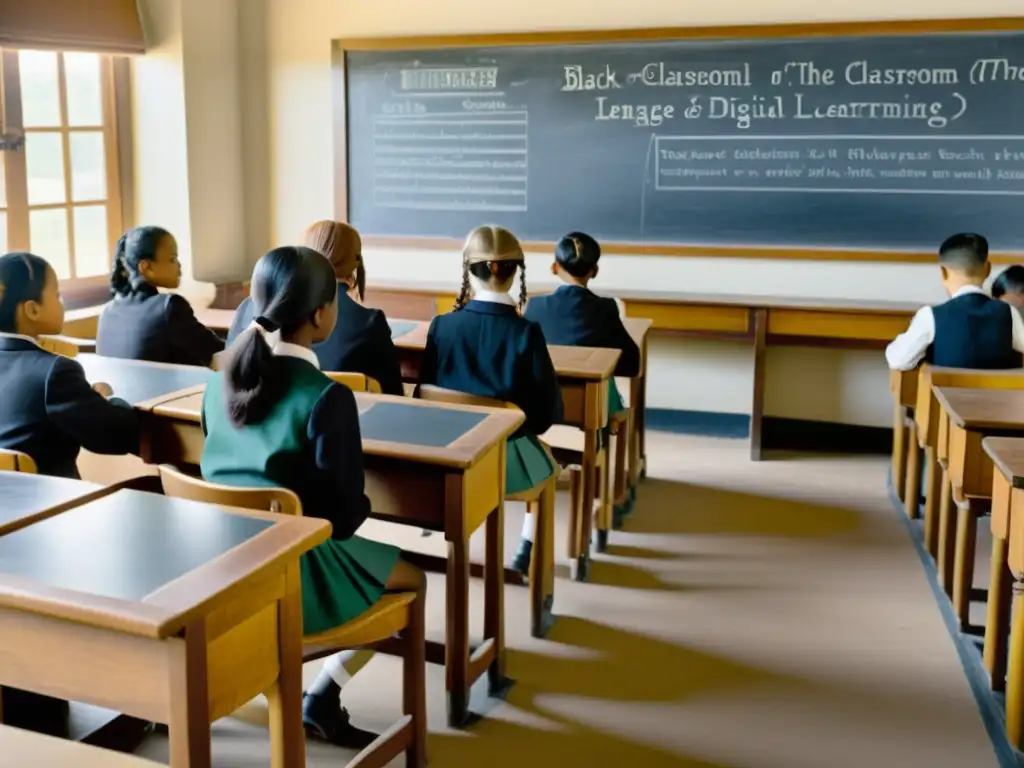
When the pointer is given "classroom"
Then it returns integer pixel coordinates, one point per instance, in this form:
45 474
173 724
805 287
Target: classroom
577 383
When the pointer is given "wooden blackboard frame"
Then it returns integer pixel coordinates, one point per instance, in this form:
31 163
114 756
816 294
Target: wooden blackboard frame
339 81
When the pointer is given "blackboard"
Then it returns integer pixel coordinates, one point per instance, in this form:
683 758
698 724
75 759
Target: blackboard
802 141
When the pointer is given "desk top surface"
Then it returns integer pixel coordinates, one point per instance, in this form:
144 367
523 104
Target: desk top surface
141 562
1007 454
138 381
27 496
403 428
983 409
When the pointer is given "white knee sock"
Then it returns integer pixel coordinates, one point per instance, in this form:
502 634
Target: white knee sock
335 667
529 527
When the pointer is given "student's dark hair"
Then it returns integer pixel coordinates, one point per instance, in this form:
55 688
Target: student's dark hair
360 279
577 253
1010 280
22 278
136 245
288 285
964 252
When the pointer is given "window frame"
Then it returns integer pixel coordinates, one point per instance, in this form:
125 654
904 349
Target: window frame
117 144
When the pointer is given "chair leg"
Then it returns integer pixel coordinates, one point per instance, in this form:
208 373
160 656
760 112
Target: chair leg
575 501
622 466
946 542
997 623
912 499
542 566
603 519
414 682
963 567
899 452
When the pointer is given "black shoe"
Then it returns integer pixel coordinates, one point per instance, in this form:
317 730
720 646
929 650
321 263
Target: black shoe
521 561
326 719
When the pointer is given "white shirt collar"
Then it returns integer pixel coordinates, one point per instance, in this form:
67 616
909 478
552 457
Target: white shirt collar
287 349
968 289
19 336
493 298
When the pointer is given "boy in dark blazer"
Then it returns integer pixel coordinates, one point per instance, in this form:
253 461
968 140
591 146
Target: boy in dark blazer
971 329
361 340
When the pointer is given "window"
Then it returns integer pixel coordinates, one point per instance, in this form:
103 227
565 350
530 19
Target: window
61 195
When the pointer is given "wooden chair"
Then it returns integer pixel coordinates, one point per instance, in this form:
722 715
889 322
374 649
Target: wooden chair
67 345
401 612
540 501
16 461
357 382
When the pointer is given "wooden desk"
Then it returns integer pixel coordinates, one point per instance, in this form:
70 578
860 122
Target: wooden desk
169 610
440 475
1006 589
139 382
19 749
30 498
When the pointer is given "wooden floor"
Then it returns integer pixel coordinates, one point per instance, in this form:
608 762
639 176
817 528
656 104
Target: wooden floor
770 615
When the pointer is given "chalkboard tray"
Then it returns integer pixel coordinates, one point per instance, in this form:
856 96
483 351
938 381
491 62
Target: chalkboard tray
869 141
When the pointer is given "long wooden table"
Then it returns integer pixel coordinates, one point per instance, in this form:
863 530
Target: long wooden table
169 610
433 466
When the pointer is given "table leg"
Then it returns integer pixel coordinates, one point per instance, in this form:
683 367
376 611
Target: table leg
604 496
494 595
189 722
284 699
641 416
899 451
946 544
997 622
933 491
1015 671
542 567
934 510
912 490
586 517
622 505
963 562
456 646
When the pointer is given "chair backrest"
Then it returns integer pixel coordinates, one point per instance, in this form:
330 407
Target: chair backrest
16 461
357 382
442 395
179 485
66 345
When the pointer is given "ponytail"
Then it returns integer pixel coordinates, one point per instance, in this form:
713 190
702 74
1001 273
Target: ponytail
120 280
252 382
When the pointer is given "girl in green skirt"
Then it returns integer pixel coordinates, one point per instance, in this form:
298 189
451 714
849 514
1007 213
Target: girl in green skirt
484 347
272 419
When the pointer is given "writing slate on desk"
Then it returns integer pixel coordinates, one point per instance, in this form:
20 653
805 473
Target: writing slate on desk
852 140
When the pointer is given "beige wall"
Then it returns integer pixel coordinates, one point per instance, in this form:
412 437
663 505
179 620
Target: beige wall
287 147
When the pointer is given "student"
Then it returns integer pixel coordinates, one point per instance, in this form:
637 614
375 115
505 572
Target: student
970 330
143 324
573 316
271 418
485 348
1009 286
48 409
361 341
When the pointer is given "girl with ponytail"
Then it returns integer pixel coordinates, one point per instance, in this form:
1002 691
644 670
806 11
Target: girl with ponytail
143 324
486 348
272 418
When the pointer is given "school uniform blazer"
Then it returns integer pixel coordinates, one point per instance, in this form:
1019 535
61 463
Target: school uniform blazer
154 326
487 349
360 342
309 442
49 411
575 317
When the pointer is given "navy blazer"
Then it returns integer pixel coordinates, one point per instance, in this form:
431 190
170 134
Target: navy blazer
154 326
49 411
487 349
360 342
573 316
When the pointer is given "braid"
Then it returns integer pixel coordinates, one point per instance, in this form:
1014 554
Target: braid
521 306
463 297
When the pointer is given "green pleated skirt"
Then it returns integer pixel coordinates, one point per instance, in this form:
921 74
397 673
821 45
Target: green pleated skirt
615 404
526 464
342 579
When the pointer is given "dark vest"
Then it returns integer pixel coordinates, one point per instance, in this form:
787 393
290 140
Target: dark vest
973 331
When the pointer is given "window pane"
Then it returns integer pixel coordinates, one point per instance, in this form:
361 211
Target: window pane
4 247
88 166
48 237
40 92
44 157
92 251
85 96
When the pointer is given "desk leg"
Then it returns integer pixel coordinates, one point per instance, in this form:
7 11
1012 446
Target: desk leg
933 492
899 451
912 488
542 566
947 540
456 646
967 514
936 507
584 523
759 320
284 699
494 595
997 622
635 430
1015 672
641 416
604 496
189 722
